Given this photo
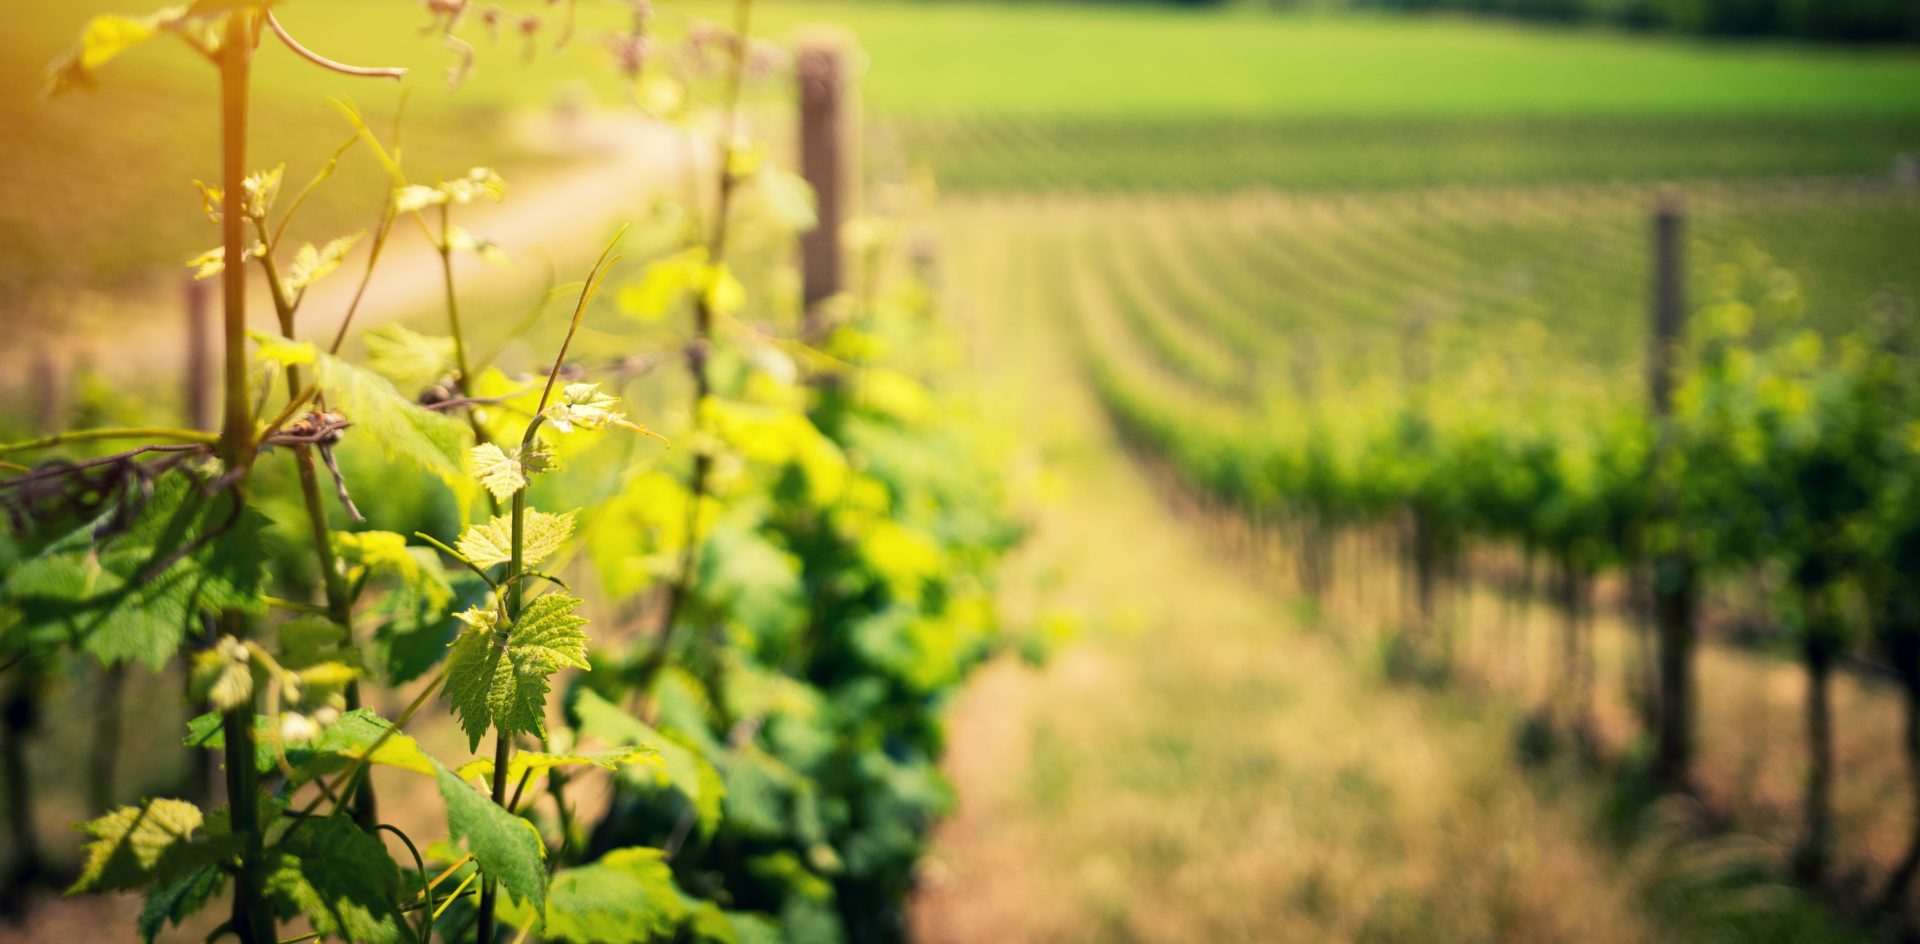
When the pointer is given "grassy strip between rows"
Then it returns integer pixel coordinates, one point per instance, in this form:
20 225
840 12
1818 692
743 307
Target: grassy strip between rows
1206 153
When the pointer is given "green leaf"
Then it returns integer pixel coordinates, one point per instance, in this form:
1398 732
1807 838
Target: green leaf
682 769
340 878
419 623
627 897
261 188
101 594
500 472
104 38
434 442
492 543
175 901
583 406
155 841
356 734
374 554
412 615
710 924
504 472
410 359
666 284
507 847
540 762
285 352
312 640
415 197
311 264
500 680
481 183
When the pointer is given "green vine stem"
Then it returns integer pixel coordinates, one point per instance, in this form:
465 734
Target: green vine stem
339 600
464 381
513 583
96 435
252 918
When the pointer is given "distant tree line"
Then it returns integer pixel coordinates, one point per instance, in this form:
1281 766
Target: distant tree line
1848 20
1814 19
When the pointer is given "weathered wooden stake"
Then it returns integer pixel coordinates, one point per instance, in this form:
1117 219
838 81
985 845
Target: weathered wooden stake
199 367
820 67
1675 591
49 390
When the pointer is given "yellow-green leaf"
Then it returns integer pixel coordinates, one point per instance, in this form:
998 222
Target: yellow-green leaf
135 845
492 543
311 263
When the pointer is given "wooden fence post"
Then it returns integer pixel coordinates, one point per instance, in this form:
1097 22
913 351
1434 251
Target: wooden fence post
1675 590
199 367
820 67
49 390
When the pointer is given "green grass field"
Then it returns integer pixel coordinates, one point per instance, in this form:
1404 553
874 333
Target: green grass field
990 96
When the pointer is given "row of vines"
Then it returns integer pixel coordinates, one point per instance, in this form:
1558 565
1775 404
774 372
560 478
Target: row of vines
696 664
1458 384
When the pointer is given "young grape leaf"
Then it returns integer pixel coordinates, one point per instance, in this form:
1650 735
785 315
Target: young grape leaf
311 263
312 640
408 358
105 37
340 878
682 769
583 406
507 847
412 614
666 283
708 923
214 261
155 841
434 442
418 625
415 197
627 897
100 592
504 472
375 554
480 183
500 680
492 543
174 901
539 762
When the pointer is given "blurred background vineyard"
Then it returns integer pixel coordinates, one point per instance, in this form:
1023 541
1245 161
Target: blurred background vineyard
1325 328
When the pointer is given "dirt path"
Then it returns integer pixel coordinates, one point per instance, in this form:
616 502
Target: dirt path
1201 766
